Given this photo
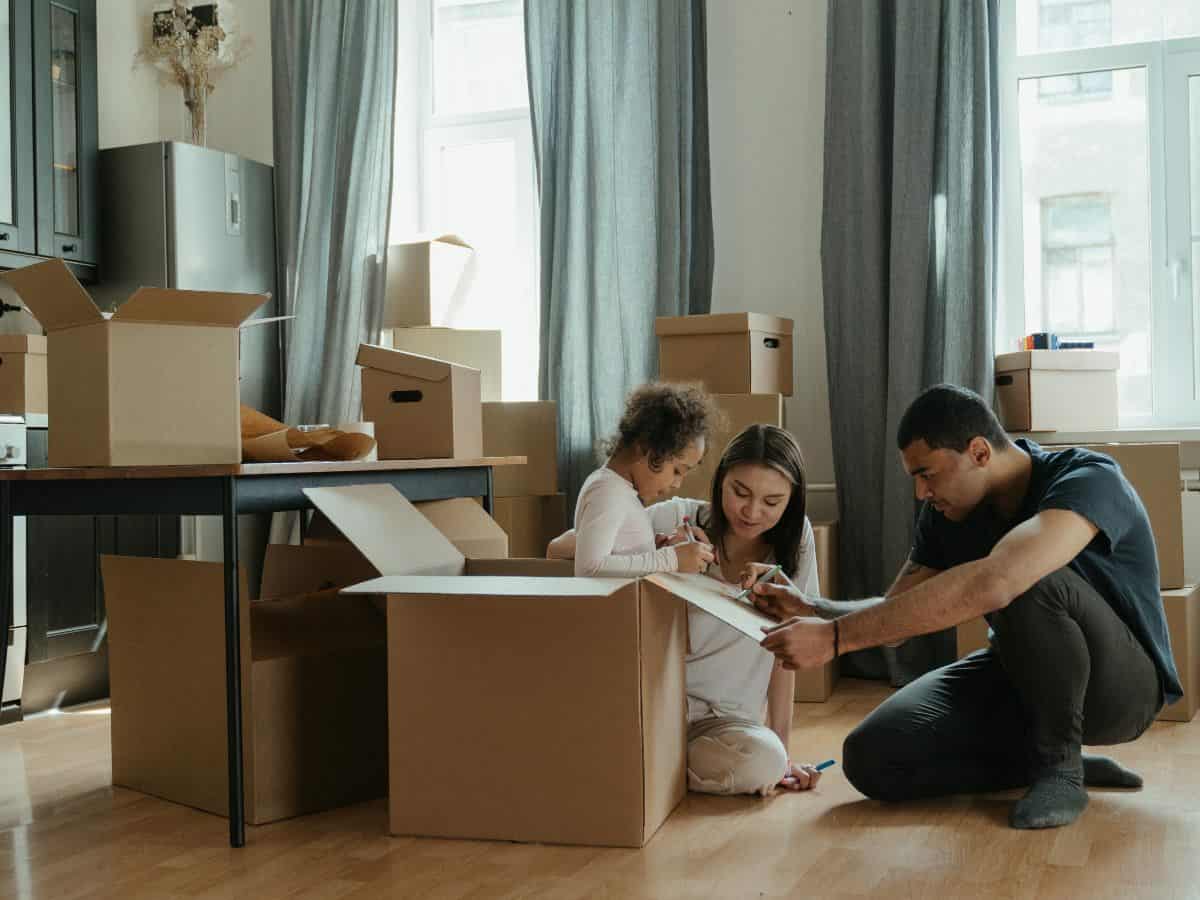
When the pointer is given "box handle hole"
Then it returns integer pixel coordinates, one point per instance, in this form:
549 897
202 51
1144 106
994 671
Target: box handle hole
406 396
771 343
1003 380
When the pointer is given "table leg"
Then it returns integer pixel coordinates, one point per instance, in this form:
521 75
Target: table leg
489 497
6 578
233 665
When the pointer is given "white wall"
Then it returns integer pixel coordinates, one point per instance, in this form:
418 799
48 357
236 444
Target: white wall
137 105
766 81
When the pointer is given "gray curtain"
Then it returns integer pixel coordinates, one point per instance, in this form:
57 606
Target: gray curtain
908 257
334 69
618 96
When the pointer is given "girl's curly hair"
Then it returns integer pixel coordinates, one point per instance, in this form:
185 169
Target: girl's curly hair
663 419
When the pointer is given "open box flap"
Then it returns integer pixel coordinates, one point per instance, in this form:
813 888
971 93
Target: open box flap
401 362
54 296
166 306
388 529
716 599
491 586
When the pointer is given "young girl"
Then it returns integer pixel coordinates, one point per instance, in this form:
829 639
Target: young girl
661 436
756 516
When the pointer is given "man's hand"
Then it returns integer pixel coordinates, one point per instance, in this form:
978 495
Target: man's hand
801 643
799 778
778 598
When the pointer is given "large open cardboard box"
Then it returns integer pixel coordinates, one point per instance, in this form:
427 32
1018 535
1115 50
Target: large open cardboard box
547 709
1057 390
23 384
154 384
423 408
523 429
730 353
313 683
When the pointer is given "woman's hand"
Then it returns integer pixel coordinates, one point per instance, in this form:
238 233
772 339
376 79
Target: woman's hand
799 778
779 597
694 557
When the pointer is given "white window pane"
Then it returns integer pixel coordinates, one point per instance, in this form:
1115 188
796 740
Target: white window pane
6 161
1046 26
1194 150
1086 189
479 56
476 197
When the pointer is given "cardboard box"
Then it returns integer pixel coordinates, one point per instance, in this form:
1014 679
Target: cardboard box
972 636
474 533
1153 470
1057 390
23 384
155 384
423 279
1183 621
730 353
422 408
523 429
531 523
313 684
739 411
575 688
816 685
474 349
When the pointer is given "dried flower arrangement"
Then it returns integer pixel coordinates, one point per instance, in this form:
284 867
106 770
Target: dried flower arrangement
191 50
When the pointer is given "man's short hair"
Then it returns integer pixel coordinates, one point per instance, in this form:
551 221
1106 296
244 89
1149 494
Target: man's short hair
949 417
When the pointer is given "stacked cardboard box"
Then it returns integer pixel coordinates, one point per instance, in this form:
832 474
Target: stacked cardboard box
745 360
528 505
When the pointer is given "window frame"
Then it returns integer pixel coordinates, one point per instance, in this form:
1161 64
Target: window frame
1173 324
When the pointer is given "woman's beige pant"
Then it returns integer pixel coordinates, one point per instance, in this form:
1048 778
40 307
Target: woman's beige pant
734 756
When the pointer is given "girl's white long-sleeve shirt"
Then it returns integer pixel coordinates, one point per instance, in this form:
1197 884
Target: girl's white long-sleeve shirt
614 535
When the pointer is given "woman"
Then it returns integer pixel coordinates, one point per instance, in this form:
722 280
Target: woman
757 515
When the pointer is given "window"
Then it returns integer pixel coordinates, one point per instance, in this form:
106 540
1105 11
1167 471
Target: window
1100 182
476 167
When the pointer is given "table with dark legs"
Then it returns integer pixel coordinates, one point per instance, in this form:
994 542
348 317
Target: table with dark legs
226 491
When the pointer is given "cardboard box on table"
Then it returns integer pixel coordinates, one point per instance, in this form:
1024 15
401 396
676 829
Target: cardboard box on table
730 353
523 429
1153 470
423 408
739 412
155 383
1057 390
472 348
423 277
23 379
816 685
572 688
1182 607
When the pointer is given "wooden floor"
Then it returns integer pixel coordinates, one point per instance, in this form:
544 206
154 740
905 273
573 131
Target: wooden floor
69 835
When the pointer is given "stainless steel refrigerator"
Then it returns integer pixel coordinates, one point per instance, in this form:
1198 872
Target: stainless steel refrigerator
180 216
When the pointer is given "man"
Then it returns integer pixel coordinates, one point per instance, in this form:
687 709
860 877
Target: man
1056 550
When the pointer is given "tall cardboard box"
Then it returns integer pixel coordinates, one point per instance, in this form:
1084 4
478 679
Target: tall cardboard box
1057 390
1183 621
738 412
23 380
816 685
423 278
474 349
575 687
523 429
531 523
313 684
1153 470
154 384
422 408
730 353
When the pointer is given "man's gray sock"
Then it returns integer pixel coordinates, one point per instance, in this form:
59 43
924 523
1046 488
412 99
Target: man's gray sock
1103 771
1056 798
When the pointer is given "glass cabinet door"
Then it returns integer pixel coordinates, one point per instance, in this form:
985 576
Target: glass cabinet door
16 129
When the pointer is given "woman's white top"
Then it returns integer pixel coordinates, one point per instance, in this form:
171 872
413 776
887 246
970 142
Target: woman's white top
613 533
727 672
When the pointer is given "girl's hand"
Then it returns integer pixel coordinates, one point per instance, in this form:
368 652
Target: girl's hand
799 778
694 557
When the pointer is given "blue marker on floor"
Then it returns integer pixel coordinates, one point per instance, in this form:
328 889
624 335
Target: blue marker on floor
821 767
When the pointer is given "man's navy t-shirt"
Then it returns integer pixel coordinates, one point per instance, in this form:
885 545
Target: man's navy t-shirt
1120 562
